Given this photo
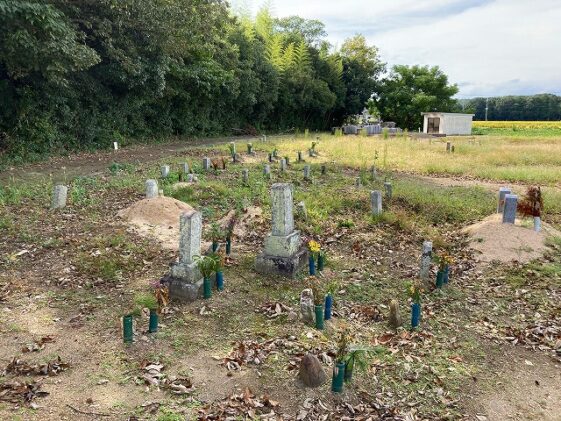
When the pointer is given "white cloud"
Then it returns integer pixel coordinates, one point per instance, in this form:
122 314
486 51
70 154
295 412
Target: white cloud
487 47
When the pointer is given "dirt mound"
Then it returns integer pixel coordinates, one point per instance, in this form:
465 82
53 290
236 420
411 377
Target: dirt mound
157 218
507 242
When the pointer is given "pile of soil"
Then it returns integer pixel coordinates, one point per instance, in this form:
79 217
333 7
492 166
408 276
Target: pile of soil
507 242
157 219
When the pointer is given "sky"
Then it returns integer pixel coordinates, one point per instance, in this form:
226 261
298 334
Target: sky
486 47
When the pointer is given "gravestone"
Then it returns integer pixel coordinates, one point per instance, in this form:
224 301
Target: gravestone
358 182
250 148
388 188
509 212
323 169
116 146
373 172
164 169
287 160
503 191
448 146
185 280
270 157
267 170
311 372
299 156
161 193
307 172
185 168
301 211
395 318
245 176
307 306
151 189
426 259
60 193
376 202
284 253
206 164
283 164
452 149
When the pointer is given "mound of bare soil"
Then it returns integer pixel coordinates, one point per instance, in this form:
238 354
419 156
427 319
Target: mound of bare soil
507 242
157 218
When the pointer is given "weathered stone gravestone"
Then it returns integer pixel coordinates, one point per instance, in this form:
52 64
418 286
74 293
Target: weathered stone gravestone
185 168
60 193
206 164
284 253
358 182
151 189
299 156
267 170
307 172
452 149
311 372
509 212
323 169
395 318
426 259
164 169
283 164
245 176
448 146
185 280
503 191
307 311
373 172
250 148
116 146
376 202
389 191
161 193
301 211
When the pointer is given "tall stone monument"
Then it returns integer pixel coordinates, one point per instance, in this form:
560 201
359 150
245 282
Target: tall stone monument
284 252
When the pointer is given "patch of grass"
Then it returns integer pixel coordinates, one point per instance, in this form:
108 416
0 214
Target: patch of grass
117 167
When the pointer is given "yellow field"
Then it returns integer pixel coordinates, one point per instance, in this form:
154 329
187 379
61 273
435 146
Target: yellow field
522 125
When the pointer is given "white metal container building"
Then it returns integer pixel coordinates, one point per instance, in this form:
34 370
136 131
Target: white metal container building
447 123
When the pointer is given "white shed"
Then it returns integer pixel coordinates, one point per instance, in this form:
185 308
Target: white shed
447 123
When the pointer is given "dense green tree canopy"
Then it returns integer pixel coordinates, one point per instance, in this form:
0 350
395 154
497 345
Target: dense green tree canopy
542 107
410 90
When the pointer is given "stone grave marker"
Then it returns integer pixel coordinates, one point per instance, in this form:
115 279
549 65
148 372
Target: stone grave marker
60 193
376 202
307 172
185 280
426 259
185 168
503 191
206 164
323 169
448 146
284 253
358 182
388 188
307 311
245 176
164 169
151 189
509 212
283 164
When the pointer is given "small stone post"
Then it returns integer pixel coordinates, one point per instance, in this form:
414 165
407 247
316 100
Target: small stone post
426 260
299 156
267 170
448 146
323 169
116 146
373 173
245 176
164 169
283 164
503 191
270 157
307 172
60 193
509 212
185 168
388 188
358 182
287 159
151 189
452 149
206 164
250 148
376 202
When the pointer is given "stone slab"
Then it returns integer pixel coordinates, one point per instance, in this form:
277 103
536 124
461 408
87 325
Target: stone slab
283 246
287 267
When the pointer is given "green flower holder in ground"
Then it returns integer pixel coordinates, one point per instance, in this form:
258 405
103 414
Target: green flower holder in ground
153 325
338 378
214 246
319 317
349 366
228 246
440 279
321 262
220 281
312 265
446 275
127 329
207 288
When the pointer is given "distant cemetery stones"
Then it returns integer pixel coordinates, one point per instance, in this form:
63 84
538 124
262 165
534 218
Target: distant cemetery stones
151 189
284 253
307 172
503 191
206 164
376 202
307 310
448 146
267 171
283 164
185 168
245 177
358 182
185 280
510 206
60 193
426 259
164 169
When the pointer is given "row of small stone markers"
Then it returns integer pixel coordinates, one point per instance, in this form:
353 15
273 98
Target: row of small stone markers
508 204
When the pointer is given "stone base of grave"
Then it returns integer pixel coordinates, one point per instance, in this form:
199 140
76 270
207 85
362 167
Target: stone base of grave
282 266
185 282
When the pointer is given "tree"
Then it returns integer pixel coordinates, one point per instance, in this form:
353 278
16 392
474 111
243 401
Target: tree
361 69
410 90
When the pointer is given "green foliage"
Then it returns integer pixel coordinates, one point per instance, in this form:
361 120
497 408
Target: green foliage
410 90
207 264
146 300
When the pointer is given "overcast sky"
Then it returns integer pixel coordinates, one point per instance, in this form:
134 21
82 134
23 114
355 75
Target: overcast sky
487 47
